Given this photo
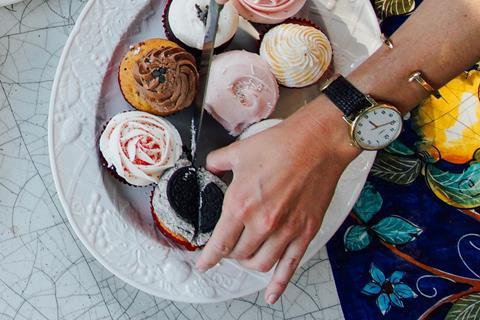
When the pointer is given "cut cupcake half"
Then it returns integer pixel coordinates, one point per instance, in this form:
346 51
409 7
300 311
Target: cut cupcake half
187 204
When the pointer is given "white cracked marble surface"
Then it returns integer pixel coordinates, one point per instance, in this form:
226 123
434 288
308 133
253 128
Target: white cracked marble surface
45 272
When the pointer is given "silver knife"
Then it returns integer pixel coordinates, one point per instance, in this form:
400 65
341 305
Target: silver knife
204 63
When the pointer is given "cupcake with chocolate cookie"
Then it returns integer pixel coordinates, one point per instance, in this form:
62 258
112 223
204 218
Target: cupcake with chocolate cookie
159 77
138 147
185 22
187 203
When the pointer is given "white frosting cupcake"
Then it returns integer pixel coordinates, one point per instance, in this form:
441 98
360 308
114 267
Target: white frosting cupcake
187 21
298 55
140 147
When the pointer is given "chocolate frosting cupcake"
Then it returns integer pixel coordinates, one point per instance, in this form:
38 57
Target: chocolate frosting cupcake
167 79
159 77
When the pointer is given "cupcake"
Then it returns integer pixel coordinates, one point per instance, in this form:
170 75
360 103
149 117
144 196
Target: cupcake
259 127
159 77
187 203
268 11
298 54
242 90
185 22
138 147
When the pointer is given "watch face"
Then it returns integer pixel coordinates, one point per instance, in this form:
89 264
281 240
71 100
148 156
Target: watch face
377 127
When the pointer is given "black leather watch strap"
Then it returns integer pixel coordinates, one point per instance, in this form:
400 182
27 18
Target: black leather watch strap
346 97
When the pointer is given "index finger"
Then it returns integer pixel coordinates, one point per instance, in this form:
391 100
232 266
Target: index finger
223 240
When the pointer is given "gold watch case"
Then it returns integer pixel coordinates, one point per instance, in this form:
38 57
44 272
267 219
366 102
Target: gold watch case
374 106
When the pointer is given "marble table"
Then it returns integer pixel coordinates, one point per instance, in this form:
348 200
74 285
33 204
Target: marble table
45 272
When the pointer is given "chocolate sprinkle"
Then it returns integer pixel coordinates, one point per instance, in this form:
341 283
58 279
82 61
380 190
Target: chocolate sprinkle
202 14
183 194
212 201
159 73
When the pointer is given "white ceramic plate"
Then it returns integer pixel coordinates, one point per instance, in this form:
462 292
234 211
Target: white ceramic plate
112 220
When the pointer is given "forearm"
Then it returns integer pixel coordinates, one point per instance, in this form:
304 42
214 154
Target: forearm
441 39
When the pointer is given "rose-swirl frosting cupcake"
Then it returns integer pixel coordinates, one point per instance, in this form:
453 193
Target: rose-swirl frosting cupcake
159 77
298 55
139 147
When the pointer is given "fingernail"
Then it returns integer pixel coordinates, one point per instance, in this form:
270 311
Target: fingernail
272 298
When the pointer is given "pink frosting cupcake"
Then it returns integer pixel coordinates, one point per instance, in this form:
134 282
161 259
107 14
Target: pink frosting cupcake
268 11
137 147
242 90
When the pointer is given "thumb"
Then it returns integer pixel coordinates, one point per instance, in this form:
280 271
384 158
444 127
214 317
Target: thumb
220 160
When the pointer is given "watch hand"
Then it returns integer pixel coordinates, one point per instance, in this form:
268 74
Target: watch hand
385 124
373 124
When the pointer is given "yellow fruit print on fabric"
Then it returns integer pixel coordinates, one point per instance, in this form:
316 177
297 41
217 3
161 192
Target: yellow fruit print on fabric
452 123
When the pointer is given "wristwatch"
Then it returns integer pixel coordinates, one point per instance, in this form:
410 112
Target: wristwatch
373 125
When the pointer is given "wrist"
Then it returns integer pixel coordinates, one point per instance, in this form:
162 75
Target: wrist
321 123
393 86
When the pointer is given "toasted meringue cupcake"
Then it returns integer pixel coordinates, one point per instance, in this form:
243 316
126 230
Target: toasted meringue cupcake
138 147
159 77
299 55
187 203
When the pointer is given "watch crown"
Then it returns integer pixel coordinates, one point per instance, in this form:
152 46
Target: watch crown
371 100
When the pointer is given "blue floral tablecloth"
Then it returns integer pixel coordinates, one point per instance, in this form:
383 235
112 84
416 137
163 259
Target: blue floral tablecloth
411 247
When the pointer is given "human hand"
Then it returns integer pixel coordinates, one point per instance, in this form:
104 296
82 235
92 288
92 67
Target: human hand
222 1
284 179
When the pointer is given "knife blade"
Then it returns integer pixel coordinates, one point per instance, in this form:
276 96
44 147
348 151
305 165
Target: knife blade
204 63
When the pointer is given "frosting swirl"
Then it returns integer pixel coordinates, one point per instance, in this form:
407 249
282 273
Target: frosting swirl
140 146
268 11
167 79
298 55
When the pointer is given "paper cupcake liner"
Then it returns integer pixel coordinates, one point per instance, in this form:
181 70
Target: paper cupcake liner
171 36
329 72
177 239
